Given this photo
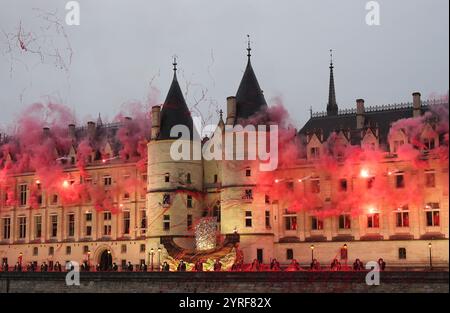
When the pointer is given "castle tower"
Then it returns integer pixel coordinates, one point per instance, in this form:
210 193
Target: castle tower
174 185
243 208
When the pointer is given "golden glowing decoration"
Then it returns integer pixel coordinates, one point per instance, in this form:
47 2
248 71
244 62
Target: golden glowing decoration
205 234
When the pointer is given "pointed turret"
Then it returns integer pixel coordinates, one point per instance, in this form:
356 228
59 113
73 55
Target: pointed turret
175 110
332 108
249 97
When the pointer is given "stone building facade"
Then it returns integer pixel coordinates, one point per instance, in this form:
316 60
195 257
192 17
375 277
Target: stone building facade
167 199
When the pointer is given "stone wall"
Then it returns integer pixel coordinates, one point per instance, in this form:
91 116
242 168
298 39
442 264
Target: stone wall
231 282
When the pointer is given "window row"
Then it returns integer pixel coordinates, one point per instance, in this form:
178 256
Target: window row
54 225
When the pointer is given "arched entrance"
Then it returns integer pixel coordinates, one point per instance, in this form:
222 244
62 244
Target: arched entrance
105 260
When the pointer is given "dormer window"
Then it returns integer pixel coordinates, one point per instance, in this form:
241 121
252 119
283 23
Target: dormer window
397 144
315 152
428 143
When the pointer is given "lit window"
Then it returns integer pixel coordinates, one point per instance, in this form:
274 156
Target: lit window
432 214
373 220
316 223
402 217
290 222
344 221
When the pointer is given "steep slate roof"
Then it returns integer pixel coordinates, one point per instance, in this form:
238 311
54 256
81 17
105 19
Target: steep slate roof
372 118
249 97
174 111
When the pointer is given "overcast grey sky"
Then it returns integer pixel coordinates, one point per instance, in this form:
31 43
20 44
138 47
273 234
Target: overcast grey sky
121 45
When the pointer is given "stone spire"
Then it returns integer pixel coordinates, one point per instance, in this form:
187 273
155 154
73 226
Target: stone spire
332 108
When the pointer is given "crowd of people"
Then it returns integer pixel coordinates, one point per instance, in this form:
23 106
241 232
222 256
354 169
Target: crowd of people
239 265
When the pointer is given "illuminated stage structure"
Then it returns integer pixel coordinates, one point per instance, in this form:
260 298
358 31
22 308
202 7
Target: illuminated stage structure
368 183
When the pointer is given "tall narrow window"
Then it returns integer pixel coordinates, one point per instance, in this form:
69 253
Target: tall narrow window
189 201
344 221
71 225
143 221
248 218
215 179
188 178
267 218
166 199
343 184
316 223
402 217
22 227
88 229
189 221
399 181
166 222
126 222
23 194
107 223
37 226
373 220
54 225
166 177
430 179
315 185
6 228
248 172
432 214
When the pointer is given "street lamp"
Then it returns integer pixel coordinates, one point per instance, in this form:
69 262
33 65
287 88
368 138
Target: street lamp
429 248
346 253
312 253
159 258
151 260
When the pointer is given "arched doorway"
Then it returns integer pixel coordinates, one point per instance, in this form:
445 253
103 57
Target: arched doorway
105 260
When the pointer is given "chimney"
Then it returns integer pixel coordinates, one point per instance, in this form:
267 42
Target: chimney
71 131
231 110
156 112
91 130
359 113
417 104
46 132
